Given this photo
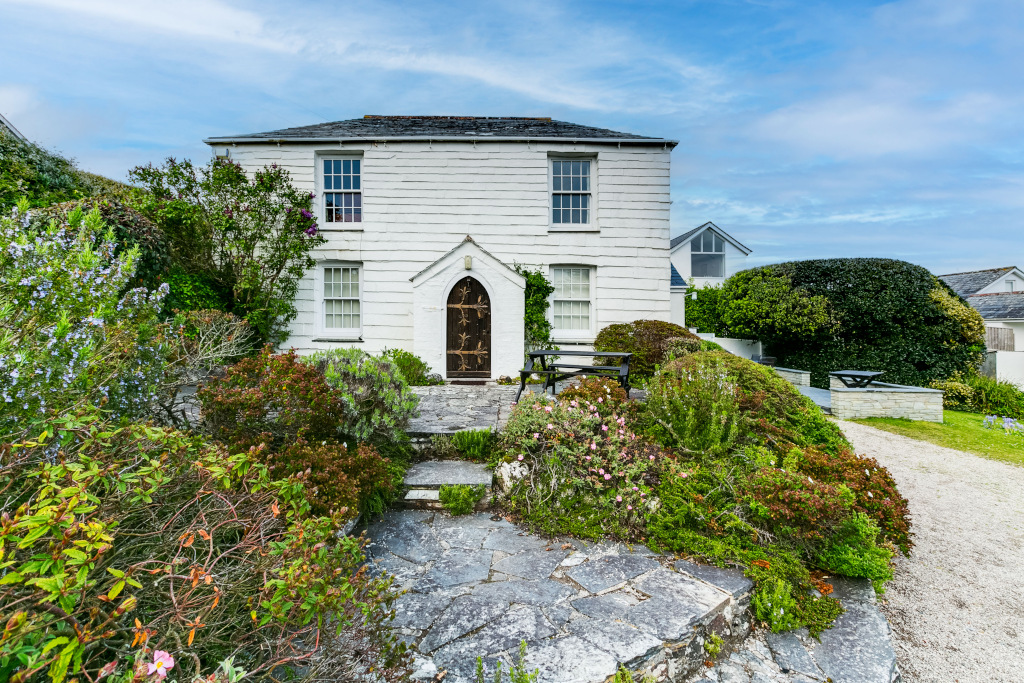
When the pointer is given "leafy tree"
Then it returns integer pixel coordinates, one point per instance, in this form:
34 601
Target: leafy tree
861 313
763 304
703 308
41 177
250 235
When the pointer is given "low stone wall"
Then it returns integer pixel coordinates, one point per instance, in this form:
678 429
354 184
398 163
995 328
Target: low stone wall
886 400
800 378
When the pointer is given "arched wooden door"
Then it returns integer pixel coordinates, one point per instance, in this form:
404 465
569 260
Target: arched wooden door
468 330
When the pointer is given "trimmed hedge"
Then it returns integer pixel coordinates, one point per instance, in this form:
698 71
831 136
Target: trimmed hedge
886 315
647 340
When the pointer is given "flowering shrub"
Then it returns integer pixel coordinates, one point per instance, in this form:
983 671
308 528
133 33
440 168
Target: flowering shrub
68 337
251 235
587 473
376 401
142 549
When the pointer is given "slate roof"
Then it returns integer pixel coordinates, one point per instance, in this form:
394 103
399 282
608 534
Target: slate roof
677 279
374 127
685 237
999 306
972 282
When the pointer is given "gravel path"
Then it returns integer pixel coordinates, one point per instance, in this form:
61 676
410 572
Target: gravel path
956 605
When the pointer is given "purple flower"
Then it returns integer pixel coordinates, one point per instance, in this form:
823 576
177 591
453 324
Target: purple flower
311 230
306 214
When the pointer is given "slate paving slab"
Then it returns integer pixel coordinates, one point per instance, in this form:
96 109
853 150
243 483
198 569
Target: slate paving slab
531 564
464 614
791 655
623 641
570 660
454 567
513 541
602 573
434 473
730 580
607 606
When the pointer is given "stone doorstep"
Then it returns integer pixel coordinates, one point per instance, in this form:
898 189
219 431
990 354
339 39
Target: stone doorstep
430 499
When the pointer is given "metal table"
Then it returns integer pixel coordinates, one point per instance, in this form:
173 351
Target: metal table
855 379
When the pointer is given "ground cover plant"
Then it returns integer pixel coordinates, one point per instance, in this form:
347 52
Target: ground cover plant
861 313
725 462
646 339
460 499
960 431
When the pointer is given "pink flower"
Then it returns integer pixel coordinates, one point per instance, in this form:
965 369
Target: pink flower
635 488
604 428
520 456
629 507
600 399
588 457
607 476
547 409
601 471
618 498
683 475
536 435
550 426
593 446
652 457
161 664
642 494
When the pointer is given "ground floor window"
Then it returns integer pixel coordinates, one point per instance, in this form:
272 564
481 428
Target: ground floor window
571 300
341 298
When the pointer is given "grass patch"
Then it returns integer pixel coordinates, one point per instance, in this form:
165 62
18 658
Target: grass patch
962 431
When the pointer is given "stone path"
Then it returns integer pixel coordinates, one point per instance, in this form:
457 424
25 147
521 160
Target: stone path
477 586
450 408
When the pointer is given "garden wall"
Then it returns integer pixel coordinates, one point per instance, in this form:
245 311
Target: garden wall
800 378
886 400
744 348
1007 366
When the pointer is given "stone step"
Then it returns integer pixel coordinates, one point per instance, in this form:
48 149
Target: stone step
430 499
433 474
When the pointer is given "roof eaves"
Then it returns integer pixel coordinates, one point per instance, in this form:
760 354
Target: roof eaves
680 240
243 139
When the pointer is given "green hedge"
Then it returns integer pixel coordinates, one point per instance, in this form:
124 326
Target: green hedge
647 340
878 314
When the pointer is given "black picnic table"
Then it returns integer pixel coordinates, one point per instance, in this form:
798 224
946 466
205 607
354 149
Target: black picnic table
855 379
555 372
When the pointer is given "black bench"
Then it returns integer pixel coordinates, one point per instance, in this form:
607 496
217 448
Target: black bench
552 372
764 360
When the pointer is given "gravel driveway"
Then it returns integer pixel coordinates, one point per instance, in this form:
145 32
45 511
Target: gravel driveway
956 605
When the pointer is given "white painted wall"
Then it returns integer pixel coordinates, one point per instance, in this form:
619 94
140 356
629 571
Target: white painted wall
735 261
677 306
745 348
1007 366
1014 277
421 199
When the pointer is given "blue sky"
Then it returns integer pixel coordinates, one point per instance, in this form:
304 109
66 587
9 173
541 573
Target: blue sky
807 129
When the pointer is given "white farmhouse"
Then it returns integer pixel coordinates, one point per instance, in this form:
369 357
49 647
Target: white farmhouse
998 295
706 255
426 217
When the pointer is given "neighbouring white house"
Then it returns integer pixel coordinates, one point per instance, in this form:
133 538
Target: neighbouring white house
9 128
706 255
998 295
426 218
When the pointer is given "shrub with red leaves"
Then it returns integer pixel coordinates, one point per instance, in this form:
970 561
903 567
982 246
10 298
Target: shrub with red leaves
271 399
796 506
873 487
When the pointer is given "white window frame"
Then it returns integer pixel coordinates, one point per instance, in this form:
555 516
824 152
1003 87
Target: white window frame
322 192
337 333
592 224
1011 285
581 335
713 253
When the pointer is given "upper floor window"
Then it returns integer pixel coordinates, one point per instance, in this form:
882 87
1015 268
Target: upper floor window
707 257
1011 285
571 299
570 192
342 191
341 298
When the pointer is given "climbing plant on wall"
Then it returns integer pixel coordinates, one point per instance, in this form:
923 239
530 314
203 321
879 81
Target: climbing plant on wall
536 326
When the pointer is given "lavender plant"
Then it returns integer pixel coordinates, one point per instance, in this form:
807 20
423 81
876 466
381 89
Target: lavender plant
67 336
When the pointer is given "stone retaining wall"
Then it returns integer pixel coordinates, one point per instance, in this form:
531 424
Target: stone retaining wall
886 400
800 378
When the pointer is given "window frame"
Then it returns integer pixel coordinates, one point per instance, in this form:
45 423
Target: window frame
592 224
321 192
337 333
1011 285
581 335
721 253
